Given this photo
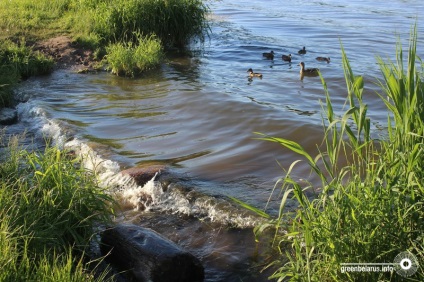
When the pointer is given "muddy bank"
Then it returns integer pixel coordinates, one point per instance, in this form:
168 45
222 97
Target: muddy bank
68 54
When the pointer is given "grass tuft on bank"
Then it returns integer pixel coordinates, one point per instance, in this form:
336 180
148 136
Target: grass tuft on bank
17 62
371 209
49 207
131 59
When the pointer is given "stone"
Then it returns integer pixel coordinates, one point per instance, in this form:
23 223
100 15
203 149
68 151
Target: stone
145 255
143 174
8 116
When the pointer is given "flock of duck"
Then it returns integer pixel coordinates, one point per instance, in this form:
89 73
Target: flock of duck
288 58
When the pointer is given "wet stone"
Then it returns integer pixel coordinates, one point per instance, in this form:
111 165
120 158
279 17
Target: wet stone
142 175
145 255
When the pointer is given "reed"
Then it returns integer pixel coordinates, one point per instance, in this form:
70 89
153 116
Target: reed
371 208
48 209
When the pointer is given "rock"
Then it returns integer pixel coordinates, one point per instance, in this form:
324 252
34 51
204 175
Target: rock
8 116
142 175
145 255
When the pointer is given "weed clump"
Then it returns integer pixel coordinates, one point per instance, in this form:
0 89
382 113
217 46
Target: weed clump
17 61
130 59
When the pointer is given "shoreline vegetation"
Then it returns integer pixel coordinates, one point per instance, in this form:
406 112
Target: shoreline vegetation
49 205
369 210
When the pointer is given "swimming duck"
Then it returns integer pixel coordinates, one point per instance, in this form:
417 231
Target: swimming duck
302 51
286 58
323 59
307 72
269 55
254 74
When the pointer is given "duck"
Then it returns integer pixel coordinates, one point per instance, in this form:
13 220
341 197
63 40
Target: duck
254 74
286 58
302 51
269 55
323 59
308 72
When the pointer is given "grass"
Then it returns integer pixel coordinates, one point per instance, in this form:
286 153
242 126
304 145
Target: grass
23 61
370 209
130 59
174 22
17 61
48 209
32 19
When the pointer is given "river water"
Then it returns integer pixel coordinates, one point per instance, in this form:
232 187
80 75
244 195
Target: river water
198 115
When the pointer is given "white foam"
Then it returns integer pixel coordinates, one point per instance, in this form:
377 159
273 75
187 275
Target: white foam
151 196
106 171
35 116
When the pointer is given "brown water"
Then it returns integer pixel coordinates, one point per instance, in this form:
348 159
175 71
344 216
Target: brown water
198 114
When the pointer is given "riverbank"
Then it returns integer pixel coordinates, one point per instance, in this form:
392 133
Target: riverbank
68 54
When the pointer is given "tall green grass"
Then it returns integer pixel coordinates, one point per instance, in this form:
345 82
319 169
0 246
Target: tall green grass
49 207
371 208
130 59
174 22
23 61
17 61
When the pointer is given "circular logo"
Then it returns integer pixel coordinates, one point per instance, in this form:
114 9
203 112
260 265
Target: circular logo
406 264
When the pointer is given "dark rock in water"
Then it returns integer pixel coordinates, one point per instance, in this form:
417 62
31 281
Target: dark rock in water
145 255
142 175
8 116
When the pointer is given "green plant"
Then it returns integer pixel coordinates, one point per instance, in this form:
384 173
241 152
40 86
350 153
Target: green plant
49 207
174 22
17 61
130 59
371 208
22 62
6 81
